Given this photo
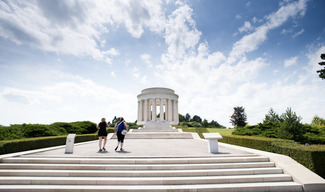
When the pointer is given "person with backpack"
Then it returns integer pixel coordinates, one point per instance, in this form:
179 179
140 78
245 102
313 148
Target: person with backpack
120 129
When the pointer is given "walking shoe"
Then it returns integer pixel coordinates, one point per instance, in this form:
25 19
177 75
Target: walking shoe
116 148
100 150
122 149
104 149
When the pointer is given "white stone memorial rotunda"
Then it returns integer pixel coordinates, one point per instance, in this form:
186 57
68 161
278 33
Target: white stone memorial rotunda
157 100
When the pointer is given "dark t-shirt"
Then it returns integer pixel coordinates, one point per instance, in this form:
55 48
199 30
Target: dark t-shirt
102 129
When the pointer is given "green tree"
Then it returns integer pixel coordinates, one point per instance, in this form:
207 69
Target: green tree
318 121
187 117
291 127
205 123
197 119
322 71
239 117
214 123
181 118
272 117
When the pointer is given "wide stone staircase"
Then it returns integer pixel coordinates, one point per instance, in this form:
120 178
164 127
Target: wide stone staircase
222 172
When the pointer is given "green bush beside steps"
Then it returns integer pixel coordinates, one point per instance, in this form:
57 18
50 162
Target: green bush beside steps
25 144
312 156
18 145
20 131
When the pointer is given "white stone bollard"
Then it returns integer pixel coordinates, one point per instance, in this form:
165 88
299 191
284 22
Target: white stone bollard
213 141
69 143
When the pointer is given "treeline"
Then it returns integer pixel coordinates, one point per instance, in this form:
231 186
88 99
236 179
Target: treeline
19 131
196 121
286 126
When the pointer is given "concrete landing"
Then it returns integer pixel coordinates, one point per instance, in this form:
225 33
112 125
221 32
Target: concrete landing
143 147
157 135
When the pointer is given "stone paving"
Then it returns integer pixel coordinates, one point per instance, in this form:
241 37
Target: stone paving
144 147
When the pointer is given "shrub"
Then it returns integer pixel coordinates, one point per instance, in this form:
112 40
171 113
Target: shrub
190 124
17 131
132 125
312 138
85 126
11 146
312 157
70 128
183 124
58 128
270 129
12 132
247 130
80 127
37 130
291 128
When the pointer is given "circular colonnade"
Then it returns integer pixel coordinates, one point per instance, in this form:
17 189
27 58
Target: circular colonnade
153 102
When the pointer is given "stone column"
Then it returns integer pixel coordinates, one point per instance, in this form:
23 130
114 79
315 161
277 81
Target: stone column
169 110
177 116
141 111
166 110
149 110
138 111
145 110
175 111
161 109
153 109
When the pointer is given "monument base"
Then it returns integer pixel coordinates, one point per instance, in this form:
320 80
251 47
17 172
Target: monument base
157 130
156 126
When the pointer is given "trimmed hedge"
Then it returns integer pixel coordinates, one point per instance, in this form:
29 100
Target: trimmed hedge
12 146
312 157
20 131
17 145
190 124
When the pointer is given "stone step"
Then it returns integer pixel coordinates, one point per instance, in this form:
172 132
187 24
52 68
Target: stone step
135 166
157 135
142 157
139 173
236 172
136 161
259 186
154 130
142 180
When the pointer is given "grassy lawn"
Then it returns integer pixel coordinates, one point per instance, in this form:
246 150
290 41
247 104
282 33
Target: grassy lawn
201 130
221 131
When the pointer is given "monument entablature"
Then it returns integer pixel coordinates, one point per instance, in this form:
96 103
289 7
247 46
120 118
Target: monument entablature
157 100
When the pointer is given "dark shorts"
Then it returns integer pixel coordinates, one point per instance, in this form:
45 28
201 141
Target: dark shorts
102 133
120 137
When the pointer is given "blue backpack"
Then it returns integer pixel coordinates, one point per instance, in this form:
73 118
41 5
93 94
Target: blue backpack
120 127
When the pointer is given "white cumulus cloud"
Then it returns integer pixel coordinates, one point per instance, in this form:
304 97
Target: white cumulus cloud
290 62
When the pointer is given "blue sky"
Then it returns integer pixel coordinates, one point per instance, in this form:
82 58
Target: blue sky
64 61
